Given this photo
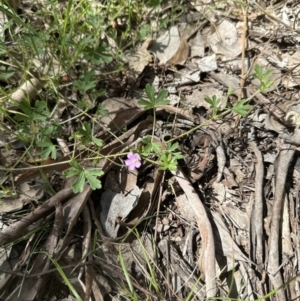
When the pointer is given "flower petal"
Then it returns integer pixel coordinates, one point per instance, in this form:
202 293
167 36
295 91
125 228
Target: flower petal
131 167
128 162
138 164
137 157
130 155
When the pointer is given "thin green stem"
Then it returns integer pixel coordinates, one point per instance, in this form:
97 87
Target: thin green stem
154 123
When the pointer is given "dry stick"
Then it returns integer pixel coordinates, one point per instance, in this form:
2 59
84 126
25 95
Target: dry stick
256 221
269 107
244 46
285 157
272 17
19 228
158 205
115 271
54 270
87 232
221 159
207 257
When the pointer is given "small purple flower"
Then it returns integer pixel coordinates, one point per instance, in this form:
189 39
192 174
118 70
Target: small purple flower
133 161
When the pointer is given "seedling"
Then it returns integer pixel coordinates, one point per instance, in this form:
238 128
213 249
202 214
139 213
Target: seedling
83 175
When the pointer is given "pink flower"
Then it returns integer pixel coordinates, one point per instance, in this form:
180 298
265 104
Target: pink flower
133 161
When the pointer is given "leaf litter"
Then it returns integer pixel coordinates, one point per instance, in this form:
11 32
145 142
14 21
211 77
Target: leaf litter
227 218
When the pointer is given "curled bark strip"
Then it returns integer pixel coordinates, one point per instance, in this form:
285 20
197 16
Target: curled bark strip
87 234
285 157
19 228
221 158
28 90
256 221
207 263
32 288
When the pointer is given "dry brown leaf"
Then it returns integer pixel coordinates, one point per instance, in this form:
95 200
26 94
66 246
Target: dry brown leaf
207 256
197 45
227 80
207 63
166 46
74 207
121 111
219 191
128 180
184 207
117 206
10 204
224 242
134 253
224 39
147 199
197 97
138 60
239 218
271 123
181 55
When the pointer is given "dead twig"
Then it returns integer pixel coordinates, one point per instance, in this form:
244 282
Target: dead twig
256 221
221 158
20 228
207 257
284 160
244 47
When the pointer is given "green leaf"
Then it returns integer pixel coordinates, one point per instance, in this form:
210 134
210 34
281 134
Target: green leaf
177 155
265 85
91 178
85 135
154 101
153 3
101 110
83 105
97 141
172 147
146 103
51 130
71 173
38 112
99 55
144 32
208 100
150 92
86 81
4 75
150 146
160 99
267 74
75 165
214 101
82 175
78 185
49 149
230 91
168 162
241 108
258 72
